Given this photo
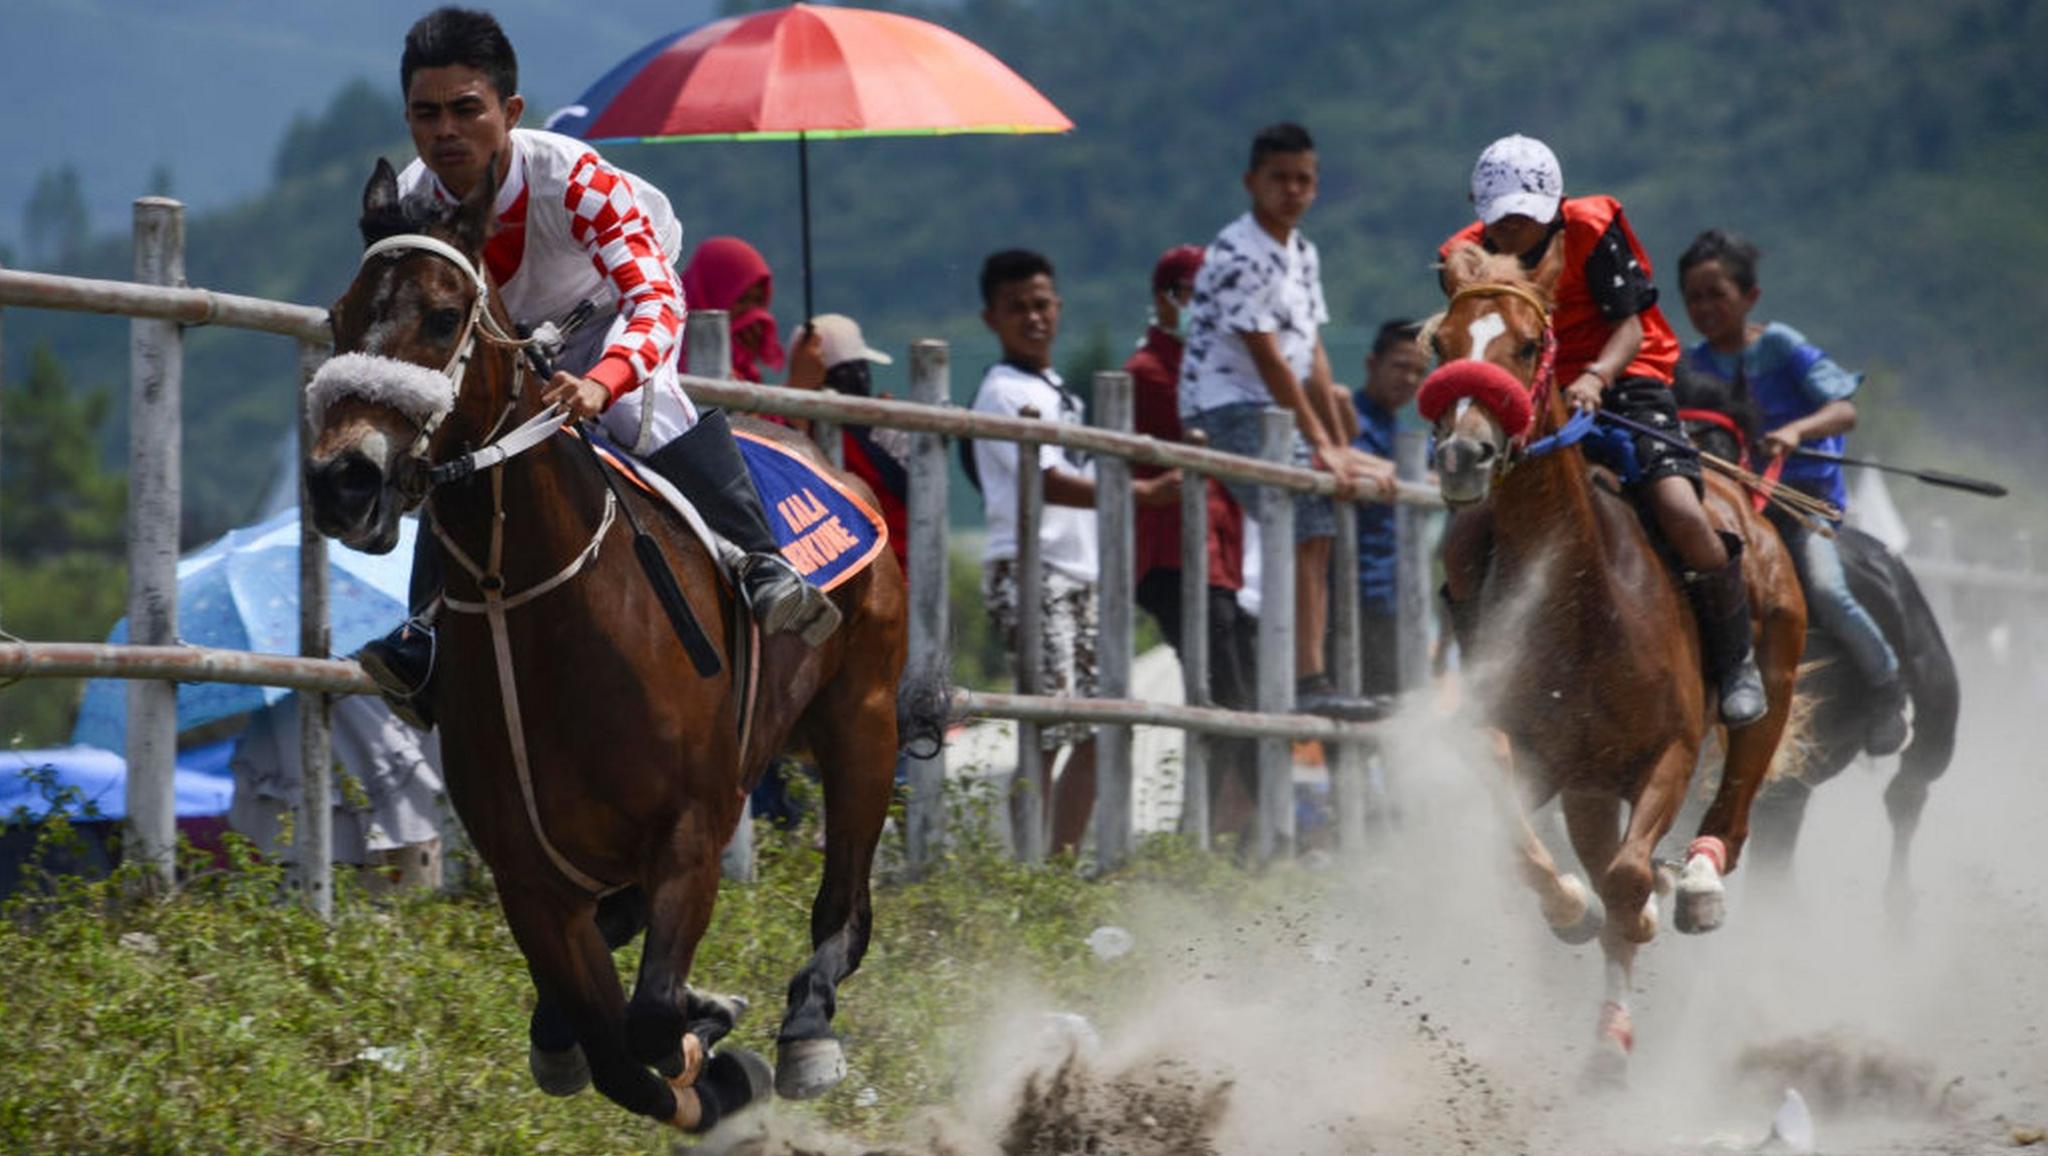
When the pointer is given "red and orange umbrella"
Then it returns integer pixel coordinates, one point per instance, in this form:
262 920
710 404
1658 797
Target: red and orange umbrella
805 72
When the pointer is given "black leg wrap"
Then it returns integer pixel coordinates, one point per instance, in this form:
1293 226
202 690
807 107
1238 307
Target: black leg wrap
1464 619
1720 598
705 464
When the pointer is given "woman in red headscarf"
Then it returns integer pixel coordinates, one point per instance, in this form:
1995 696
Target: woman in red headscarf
727 273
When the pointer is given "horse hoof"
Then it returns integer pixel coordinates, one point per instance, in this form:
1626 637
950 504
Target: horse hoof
1584 930
1702 901
1606 1069
559 1073
732 1079
808 1068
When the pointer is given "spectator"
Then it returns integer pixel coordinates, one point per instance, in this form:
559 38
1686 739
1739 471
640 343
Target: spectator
1021 306
727 273
1233 633
879 457
1253 341
1393 372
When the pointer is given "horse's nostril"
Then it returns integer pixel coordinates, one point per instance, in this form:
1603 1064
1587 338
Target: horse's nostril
349 482
1486 453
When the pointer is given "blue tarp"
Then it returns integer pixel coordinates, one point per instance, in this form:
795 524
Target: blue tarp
204 785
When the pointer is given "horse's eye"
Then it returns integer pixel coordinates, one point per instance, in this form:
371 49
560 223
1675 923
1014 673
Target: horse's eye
1528 351
440 324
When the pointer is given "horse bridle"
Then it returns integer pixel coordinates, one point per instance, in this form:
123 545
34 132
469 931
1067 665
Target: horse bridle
482 325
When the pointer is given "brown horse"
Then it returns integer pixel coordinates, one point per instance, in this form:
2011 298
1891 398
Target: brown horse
586 756
1585 653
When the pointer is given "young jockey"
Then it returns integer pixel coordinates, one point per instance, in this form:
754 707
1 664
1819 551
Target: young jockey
1614 351
1802 398
572 229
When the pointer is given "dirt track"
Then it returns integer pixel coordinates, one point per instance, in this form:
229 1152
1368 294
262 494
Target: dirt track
1429 1012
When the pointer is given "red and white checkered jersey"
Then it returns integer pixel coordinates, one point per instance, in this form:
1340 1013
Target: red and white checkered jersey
572 227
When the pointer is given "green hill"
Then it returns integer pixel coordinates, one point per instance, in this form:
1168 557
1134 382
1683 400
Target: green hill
1885 154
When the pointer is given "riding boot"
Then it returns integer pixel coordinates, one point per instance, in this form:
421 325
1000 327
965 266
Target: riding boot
705 464
1720 599
402 662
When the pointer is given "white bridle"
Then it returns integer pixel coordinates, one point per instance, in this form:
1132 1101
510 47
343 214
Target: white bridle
427 395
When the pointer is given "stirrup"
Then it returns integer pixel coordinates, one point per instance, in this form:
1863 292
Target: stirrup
783 602
402 665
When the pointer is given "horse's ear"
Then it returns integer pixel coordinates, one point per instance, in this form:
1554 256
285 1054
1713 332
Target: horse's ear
1460 266
474 219
380 196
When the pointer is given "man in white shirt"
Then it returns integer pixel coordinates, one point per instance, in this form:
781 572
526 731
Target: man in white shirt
1254 340
1022 307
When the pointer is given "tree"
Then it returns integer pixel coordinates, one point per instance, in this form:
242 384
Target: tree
55 497
55 223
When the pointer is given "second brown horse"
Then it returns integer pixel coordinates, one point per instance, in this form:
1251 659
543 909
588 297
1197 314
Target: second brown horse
1586 656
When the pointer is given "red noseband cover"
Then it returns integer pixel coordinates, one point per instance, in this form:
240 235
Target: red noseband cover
1484 382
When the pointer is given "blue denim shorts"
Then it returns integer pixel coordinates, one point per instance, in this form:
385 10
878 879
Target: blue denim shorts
1235 429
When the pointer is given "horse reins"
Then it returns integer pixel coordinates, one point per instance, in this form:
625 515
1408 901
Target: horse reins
497 450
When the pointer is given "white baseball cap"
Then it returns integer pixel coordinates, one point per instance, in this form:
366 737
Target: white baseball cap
1517 174
841 342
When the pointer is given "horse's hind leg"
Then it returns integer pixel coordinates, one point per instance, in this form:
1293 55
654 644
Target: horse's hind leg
1725 827
853 730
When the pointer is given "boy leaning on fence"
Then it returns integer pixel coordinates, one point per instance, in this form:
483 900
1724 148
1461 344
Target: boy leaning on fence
1021 306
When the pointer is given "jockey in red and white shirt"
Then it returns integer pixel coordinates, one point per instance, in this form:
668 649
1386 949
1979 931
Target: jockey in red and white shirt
571 227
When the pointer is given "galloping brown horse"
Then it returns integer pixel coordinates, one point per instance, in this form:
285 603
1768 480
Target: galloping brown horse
585 755
1586 654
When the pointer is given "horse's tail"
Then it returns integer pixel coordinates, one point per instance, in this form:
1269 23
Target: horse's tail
1928 671
924 705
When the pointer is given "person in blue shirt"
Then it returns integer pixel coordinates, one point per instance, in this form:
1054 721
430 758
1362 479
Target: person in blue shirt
1393 372
1801 398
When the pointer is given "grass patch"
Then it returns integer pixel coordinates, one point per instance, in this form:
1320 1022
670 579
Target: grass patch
223 1019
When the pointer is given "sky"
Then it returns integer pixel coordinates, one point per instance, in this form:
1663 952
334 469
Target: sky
208 87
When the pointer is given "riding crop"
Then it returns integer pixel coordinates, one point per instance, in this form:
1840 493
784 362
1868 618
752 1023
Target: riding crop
1931 477
1800 505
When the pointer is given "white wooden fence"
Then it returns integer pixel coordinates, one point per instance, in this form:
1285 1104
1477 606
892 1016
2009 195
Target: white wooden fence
160 306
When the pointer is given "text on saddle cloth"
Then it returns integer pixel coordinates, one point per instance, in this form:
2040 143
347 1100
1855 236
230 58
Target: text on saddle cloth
826 531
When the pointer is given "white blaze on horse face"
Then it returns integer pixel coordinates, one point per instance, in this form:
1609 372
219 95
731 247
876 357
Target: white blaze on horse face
1482 331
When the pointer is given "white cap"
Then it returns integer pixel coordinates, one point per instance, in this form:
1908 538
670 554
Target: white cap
1517 174
839 336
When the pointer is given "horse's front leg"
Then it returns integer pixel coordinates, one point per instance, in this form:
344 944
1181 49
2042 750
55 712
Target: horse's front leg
1567 905
572 967
1629 883
553 1055
1593 820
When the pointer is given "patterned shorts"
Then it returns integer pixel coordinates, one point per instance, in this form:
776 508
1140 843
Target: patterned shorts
1067 630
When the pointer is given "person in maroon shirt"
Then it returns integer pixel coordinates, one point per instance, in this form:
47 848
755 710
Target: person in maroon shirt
1233 634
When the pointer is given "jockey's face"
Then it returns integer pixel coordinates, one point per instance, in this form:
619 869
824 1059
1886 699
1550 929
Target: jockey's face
459 121
1516 234
1716 305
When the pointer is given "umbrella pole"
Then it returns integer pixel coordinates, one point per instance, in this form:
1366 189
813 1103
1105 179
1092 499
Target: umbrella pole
803 182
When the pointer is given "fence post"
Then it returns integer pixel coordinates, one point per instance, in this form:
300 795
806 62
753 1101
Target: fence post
1276 639
156 378
1116 586
707 341
1347 759
1412 617
930 384
1032 788
315 836
1194 646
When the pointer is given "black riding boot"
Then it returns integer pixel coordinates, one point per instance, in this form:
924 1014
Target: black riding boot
402 662
1720 599
705 464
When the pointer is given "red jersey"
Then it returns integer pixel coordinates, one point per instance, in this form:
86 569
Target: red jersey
1155 393
1606 280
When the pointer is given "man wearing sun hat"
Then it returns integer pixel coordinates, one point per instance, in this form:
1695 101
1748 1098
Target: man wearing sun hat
1615 352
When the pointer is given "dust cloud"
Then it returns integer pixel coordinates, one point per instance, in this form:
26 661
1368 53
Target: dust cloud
1422 1007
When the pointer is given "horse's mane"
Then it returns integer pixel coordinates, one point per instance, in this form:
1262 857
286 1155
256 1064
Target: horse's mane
1695 389
1469 264
413 214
